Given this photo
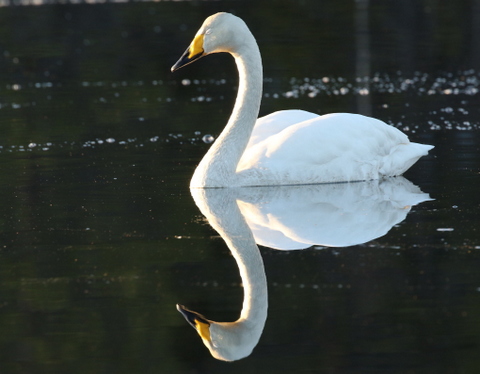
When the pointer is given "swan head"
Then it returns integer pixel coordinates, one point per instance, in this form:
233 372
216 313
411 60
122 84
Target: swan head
221 32
226 341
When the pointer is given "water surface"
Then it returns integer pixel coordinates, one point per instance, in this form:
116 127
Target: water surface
100 237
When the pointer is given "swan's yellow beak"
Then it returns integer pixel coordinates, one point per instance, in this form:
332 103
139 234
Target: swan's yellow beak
193 53
199 322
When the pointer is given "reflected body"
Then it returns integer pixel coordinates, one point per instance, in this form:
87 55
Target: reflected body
289 217
288 147
332 215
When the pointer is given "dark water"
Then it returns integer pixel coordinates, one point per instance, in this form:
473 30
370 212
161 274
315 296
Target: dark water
100 237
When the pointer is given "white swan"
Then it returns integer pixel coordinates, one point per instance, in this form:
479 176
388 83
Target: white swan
292 146
231 341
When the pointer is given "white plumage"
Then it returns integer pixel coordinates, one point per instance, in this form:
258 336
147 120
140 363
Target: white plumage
288 147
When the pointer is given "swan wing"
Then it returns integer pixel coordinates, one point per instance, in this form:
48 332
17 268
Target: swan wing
331 148
276 122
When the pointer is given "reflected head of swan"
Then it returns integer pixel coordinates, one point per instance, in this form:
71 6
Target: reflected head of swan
226 341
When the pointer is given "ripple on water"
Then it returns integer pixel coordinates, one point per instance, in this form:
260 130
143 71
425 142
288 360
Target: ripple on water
464 84
5 3
179 139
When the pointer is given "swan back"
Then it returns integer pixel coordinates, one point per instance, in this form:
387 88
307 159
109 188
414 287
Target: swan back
338 147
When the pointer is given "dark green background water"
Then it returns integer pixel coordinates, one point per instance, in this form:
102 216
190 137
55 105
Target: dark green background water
100 238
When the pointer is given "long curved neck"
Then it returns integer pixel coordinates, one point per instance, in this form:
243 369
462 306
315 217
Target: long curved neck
218 167
222 211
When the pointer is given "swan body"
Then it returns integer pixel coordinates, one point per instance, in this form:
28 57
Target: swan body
288 147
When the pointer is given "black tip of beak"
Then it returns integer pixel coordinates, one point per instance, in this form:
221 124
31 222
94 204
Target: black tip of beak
190 316
185 60
180 63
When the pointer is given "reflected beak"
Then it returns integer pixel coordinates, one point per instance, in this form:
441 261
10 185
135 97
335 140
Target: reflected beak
192 317
197 321
193 53
187 314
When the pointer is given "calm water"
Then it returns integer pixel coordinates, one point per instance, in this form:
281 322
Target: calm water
101 238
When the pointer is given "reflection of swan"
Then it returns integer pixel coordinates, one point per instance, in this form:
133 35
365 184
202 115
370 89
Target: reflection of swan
288 147
233 340
289 217
334 215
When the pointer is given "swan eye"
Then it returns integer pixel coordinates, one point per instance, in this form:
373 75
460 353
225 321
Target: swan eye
208 32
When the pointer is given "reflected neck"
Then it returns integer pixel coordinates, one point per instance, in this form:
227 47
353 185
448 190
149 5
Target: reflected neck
235 340
252 273
222 211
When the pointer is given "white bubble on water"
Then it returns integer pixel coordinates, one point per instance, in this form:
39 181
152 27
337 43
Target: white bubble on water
208 139
364 91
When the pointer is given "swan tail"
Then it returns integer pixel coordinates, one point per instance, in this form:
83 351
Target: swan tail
403 157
